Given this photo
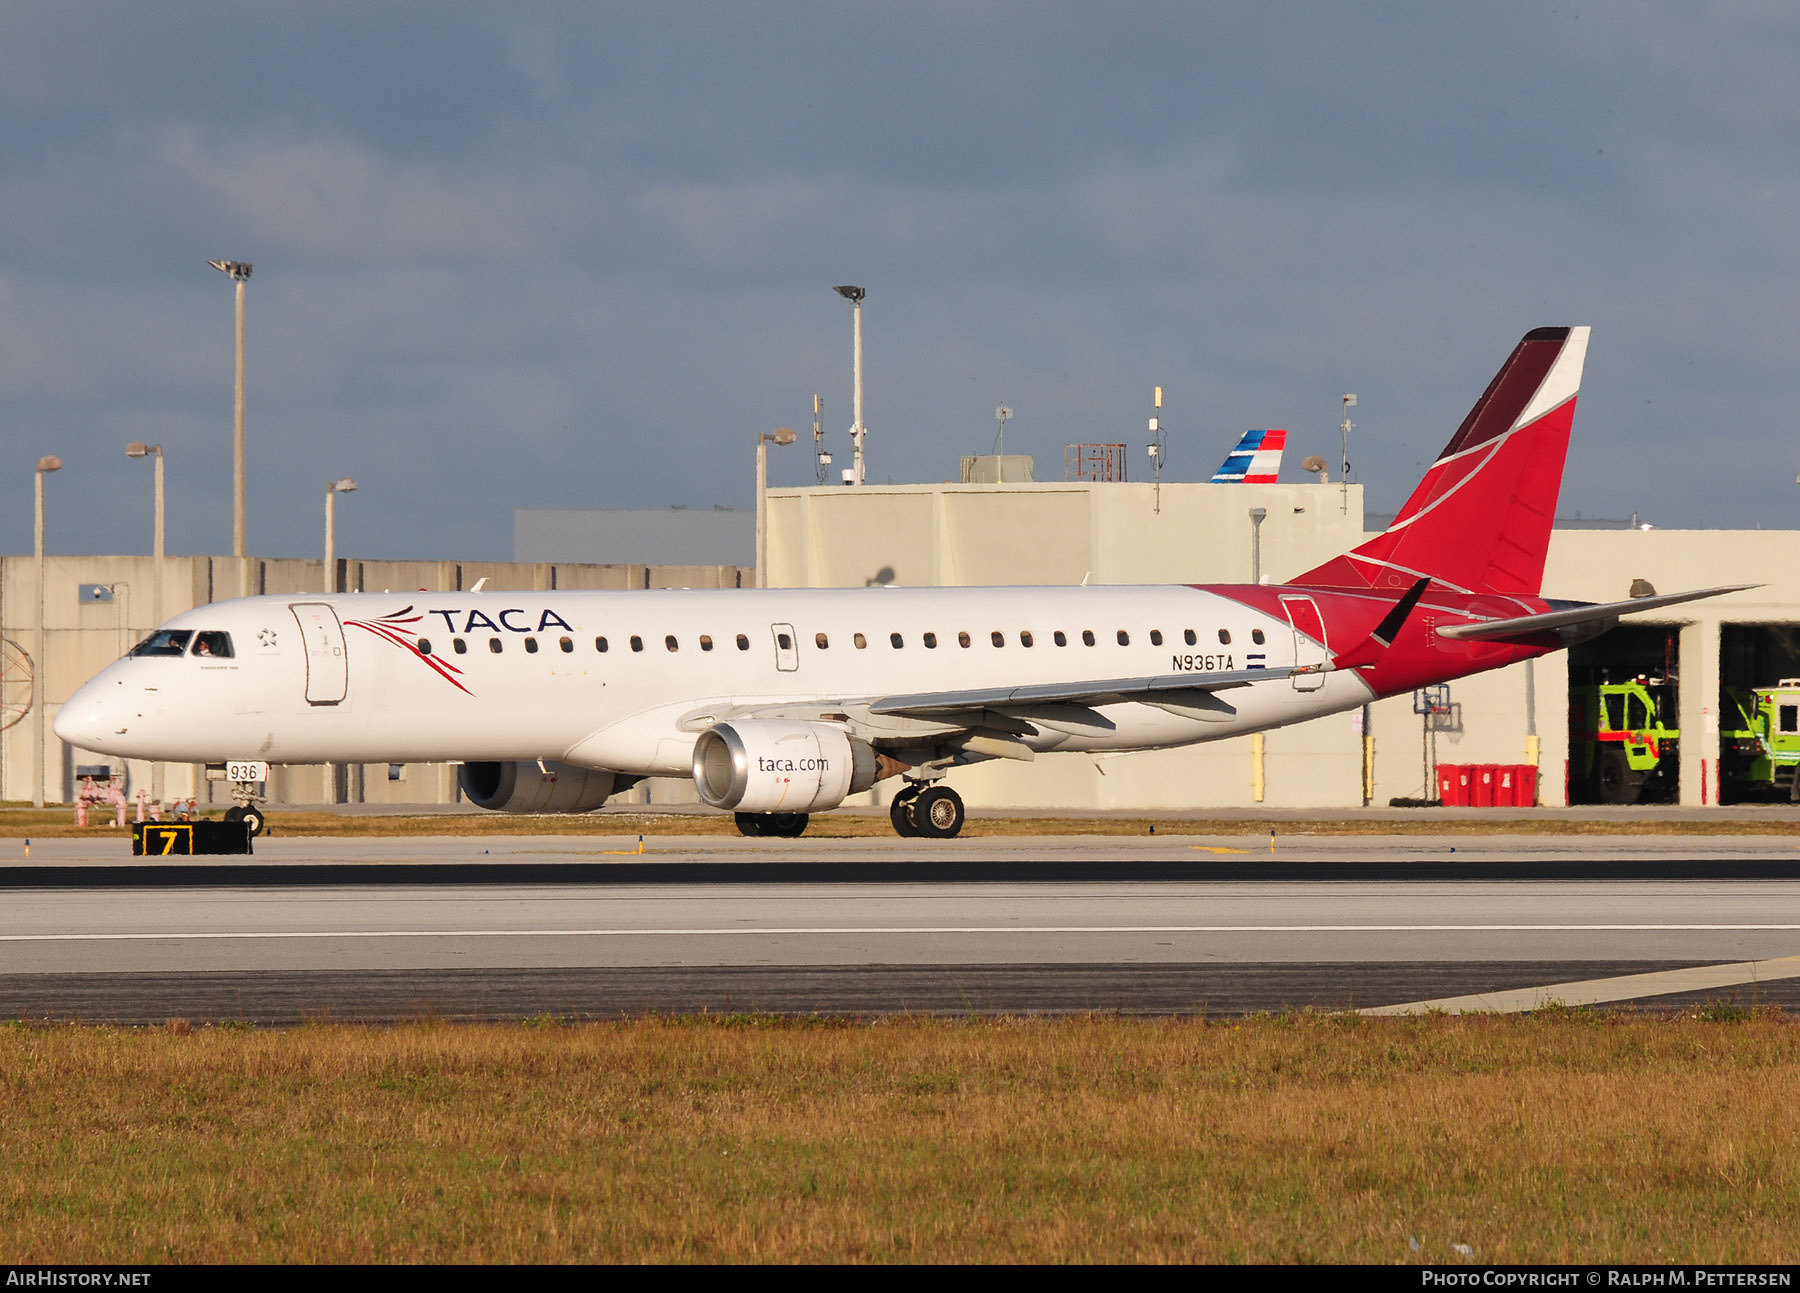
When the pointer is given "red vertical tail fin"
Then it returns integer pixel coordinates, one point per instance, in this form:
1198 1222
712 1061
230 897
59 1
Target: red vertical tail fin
1480 520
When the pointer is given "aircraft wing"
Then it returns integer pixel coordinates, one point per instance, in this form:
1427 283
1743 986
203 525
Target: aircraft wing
1603 613
1153 689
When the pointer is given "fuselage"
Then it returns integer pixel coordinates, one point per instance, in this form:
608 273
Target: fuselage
624 681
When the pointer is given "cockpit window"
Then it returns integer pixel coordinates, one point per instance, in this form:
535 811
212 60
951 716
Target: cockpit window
214 643
164 642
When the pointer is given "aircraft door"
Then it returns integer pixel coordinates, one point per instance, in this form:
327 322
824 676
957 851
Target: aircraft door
327 669
787 648
1309 639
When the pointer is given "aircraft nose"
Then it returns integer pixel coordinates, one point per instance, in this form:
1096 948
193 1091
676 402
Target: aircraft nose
86 719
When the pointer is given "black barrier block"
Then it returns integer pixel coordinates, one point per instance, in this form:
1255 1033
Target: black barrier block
184 839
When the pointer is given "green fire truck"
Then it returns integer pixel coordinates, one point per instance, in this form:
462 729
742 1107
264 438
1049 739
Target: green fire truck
1618 745
1761 756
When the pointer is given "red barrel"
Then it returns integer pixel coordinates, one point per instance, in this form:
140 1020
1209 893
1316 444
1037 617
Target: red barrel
1484 776
1453 784
1524 786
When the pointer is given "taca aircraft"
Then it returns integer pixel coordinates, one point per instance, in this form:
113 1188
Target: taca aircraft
782 703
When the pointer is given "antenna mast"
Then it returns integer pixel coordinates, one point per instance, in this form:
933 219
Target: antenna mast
821 455
1155 447
1346 427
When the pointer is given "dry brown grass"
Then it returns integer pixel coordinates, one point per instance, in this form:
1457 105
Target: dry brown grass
57 823
1563 1137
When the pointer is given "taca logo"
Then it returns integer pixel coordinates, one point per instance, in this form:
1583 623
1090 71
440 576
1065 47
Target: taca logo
476 620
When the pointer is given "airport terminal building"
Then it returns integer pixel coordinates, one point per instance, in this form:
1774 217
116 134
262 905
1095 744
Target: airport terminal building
1069 533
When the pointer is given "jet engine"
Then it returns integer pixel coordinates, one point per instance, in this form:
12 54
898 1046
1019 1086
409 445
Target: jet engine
766 765
525 787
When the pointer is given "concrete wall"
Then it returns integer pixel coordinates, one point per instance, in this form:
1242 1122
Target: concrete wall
973 535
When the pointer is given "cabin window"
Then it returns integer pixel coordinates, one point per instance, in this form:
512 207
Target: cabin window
1155 637
896 641
637 643
783 641
164 642
705 642
1087 637
743 642
1025 637
671 643
1060 638
567 644
530 646
1224 637
459 646
1189 636
1256 636
424 645
859 640
822 642
1788 716
1124 638
930 640
213 643
600 645
962 639
997 638
495 645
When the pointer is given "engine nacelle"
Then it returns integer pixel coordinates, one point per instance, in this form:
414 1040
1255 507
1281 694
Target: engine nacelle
523 787
767 765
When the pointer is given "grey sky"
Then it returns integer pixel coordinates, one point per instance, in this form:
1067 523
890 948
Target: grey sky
578 255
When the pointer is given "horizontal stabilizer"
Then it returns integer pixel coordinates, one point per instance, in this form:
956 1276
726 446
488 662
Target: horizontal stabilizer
1524 626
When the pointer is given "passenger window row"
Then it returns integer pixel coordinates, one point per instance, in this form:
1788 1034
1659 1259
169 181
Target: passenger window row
170 642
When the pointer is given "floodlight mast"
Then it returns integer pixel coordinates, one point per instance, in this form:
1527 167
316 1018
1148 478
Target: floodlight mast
238 272
853 294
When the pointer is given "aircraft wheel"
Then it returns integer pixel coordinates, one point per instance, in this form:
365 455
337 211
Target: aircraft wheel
900 812
938 813
786 825
749 823
1612 779
255 818
235 813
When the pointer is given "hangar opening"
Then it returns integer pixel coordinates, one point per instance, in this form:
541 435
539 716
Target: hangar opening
1624 729
1759 713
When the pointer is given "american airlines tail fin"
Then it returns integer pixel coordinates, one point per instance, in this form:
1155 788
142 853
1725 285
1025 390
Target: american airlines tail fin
1255 461
1480 520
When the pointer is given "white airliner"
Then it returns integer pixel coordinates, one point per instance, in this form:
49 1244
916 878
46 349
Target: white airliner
782 703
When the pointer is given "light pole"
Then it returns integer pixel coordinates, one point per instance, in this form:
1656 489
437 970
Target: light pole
239 272
1257 514
854 295
47 463
343 485
138 449
780 435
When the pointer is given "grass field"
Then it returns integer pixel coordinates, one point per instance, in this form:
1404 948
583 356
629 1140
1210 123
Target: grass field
1566 1136
58 823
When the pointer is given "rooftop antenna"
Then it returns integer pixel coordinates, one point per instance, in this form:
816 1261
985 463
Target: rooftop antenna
1155 447
821 455
1346 427
1001 415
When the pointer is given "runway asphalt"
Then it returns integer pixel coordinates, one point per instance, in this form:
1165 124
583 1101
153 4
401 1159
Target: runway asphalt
585 926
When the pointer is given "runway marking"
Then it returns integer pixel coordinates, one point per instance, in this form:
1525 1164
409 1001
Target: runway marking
740 931
1589 992
1214 848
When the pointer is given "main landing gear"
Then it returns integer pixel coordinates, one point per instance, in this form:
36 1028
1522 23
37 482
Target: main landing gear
782 825
927 812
